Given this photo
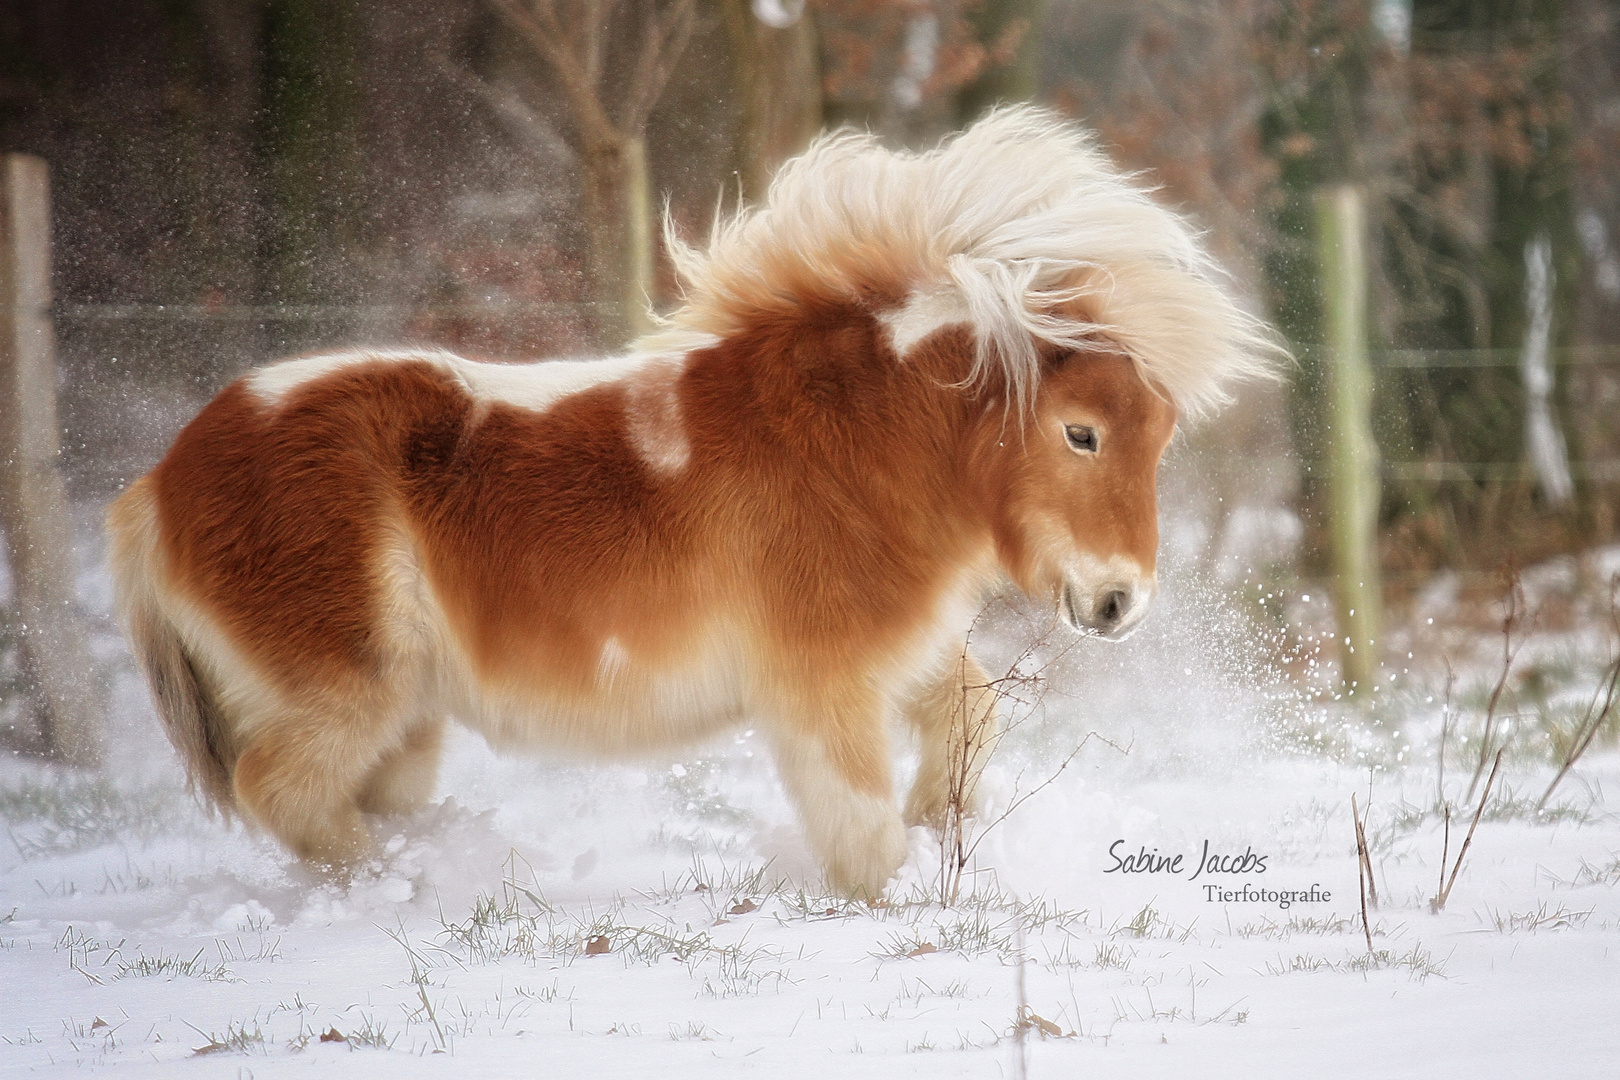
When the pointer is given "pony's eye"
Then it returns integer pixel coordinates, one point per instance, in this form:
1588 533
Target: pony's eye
1081 439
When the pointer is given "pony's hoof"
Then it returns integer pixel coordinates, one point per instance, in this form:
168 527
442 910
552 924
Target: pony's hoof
863 871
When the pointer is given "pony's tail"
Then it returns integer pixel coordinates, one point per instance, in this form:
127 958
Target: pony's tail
197 727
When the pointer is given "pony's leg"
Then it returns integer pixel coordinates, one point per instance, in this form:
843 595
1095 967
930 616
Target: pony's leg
403 780
837 774
955 720
299 776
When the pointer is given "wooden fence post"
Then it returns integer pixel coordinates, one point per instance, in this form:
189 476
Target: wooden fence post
33 502
1352 455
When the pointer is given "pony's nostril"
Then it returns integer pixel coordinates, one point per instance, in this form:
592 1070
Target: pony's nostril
1111 609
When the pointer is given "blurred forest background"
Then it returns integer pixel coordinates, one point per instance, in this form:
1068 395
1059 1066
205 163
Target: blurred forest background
236 180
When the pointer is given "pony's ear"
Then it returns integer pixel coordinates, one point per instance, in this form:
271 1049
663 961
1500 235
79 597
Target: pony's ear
1055 357
1059 356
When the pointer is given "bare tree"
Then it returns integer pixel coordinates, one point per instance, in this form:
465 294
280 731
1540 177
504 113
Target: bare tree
34 523
898 66
778 80
608 106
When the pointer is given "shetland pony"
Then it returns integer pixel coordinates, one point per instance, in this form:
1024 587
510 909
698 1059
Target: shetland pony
903 379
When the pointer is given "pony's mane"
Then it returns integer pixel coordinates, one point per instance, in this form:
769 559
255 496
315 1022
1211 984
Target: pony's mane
1011 222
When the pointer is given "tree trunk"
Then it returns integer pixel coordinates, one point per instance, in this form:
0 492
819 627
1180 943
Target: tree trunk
616 208
1591 77
311 125
1353 495
778 86
33 504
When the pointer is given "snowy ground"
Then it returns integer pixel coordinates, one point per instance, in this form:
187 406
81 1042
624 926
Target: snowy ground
137 936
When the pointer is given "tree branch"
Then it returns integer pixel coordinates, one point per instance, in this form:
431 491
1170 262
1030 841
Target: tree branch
530 131
537 23
661 47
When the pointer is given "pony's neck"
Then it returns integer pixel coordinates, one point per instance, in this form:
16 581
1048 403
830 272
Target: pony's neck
828 398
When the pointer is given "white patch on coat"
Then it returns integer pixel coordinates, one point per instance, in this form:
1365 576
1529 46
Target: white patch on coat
272 384
614 659
922 314
655 426
538 386
535 386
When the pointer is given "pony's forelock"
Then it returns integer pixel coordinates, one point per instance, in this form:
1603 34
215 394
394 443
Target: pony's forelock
1021 217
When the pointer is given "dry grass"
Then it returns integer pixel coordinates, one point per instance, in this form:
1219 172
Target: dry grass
58 812
236 1038
174 966
1301 925
1416 961
1541 918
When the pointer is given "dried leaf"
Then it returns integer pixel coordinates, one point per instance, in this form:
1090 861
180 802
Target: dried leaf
598 945
334 1035
924 949
1040 1023
743 908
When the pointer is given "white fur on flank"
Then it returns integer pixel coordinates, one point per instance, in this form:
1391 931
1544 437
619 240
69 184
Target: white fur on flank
612 661
655 426
1013 217
634 705
272 383
534 386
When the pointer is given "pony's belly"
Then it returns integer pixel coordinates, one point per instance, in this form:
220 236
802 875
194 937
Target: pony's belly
631 710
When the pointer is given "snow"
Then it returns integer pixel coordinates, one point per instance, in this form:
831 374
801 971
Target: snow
146 939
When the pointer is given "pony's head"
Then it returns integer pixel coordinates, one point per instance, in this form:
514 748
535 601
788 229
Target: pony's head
1071 493
1079 316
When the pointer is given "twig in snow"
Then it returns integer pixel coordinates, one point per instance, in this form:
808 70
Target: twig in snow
1020 1066
1363 869
1023 693
1445 852
1512 619
1608 689
1438 904
1446 718
1366 849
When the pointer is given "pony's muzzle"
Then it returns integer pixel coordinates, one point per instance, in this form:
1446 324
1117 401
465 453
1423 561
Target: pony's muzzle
1110 611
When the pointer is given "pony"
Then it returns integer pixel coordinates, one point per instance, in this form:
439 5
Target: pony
901 381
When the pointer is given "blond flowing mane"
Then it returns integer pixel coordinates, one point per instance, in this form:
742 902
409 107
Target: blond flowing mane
1010 224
